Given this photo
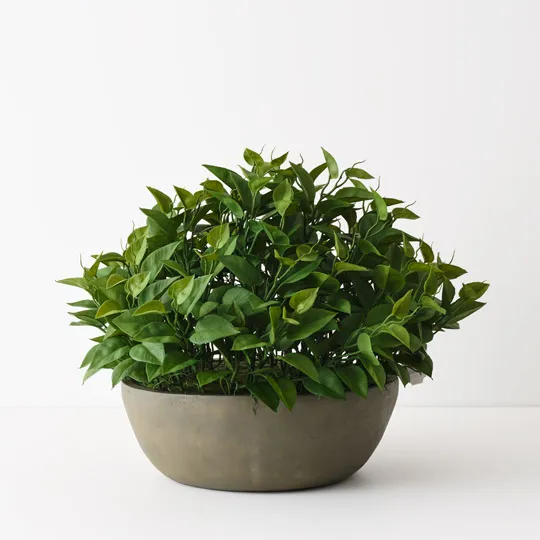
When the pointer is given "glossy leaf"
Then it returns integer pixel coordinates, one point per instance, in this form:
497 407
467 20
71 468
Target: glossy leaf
264 392
152 306
354 378
303 300
363 342
136 284
247 341
310 322
302 363
163 200
242 269
285 389
331 164
149 353
109 307
283 197
210 328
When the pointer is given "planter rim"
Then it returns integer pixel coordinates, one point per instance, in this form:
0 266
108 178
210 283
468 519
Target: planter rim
136 386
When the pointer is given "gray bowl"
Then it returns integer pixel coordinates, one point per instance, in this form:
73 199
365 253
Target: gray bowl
233 443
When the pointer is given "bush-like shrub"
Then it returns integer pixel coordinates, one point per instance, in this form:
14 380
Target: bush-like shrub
275 282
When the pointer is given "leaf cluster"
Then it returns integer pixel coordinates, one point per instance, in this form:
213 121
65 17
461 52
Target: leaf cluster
276 281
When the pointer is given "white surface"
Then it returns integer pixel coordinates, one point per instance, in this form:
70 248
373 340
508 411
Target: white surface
100 98
439 473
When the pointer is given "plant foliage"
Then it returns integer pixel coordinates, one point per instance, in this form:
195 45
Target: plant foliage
276 281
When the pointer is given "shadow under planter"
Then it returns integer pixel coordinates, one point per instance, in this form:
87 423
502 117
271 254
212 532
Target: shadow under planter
233 443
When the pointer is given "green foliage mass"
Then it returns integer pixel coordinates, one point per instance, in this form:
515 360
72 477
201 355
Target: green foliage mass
274 282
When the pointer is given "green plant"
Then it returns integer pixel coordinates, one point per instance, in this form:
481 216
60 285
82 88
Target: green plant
271 283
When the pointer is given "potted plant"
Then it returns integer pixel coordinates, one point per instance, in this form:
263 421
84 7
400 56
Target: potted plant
260 325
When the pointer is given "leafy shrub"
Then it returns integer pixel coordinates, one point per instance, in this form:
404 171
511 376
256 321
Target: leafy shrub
271 283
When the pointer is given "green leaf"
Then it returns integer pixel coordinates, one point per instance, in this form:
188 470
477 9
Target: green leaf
149 353
349 267
448 293
75 282
253 158
234 181
265 393
473 291
164 201
354 378
376 372
242 269
219 235
310 322
338 303
329 386
331 163
136 284
341 250
153 306
285 389
399 332
207 377
160 220
302 272
407 246
403 305
279 161
187 199
303 300
131 325
152 291
180 290
104 353
113 280
354 193
328 378
152 371
108 307
306 182
380 205
230 203
430 303
247 341
210 328
286 318
207 308
199 287
302 363
427 252
358 173
122 370
156 332
387 278
154 261
83 303
404 213
432 282
318 170
283 197
363 342
451 271
466 308
176 361
275 316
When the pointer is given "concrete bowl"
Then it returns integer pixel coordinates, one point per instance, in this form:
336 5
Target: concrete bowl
233 443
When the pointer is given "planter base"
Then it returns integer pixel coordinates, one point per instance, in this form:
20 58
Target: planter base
232 443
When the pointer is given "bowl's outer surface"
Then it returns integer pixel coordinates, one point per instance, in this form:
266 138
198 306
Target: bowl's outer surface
233 443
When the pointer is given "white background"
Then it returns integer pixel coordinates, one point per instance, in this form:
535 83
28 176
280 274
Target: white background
100 98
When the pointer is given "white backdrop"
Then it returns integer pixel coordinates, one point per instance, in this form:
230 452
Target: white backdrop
100 98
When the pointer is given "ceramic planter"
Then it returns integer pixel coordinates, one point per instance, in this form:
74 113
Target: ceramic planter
233 443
